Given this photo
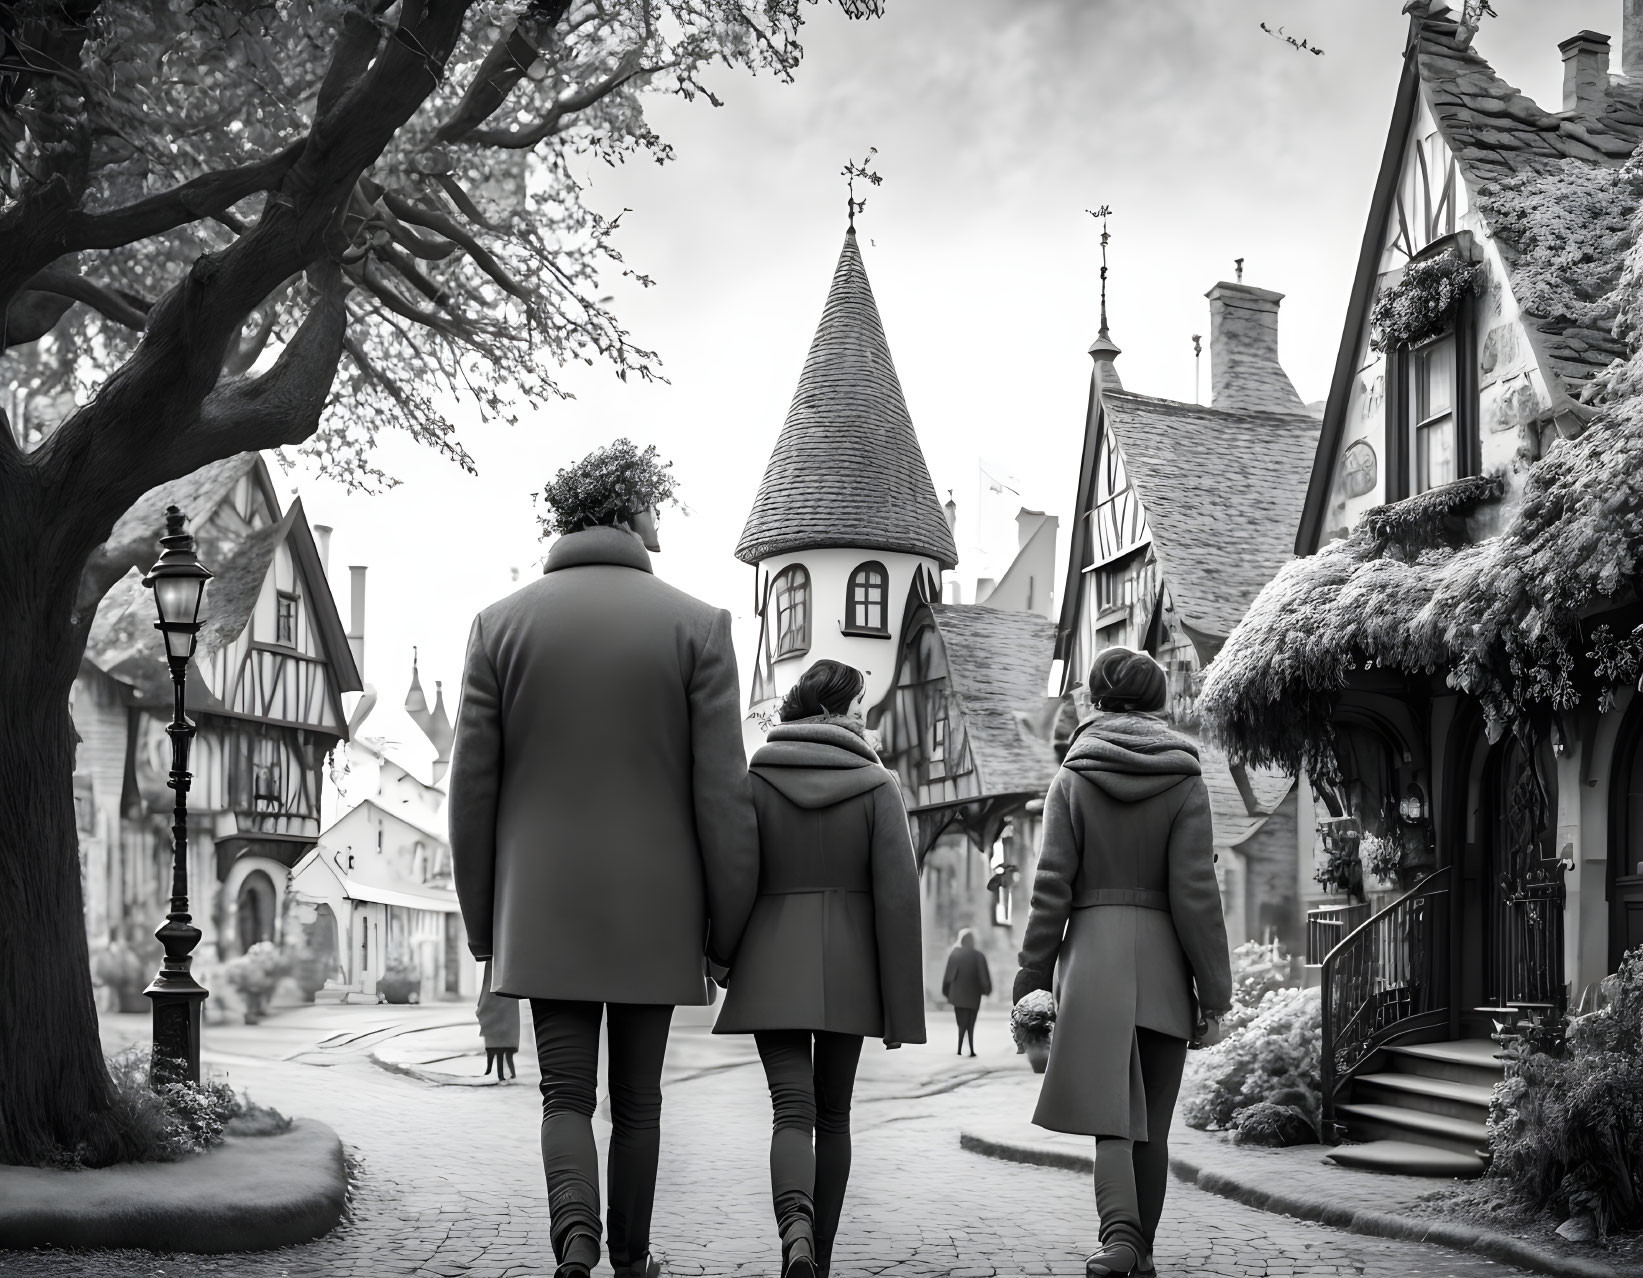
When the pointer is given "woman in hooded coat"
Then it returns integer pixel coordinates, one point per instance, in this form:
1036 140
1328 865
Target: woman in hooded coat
832 953
1126 905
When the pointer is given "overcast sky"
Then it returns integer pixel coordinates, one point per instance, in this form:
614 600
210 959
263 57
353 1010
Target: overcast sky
997 123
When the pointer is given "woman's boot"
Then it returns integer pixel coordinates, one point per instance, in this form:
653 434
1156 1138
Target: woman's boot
799 1250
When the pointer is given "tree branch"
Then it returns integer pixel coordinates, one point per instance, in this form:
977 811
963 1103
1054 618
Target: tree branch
568 105
283 406
451 230
503 67
208 196
31 316
106 302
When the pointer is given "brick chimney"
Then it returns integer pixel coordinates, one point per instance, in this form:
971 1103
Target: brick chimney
1631 39
1585 71
1244 373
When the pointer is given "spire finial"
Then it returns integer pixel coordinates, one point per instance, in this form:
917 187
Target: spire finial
850 172
1238 264
1197 364
1103 213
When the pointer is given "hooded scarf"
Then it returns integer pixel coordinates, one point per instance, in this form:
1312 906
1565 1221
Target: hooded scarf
1131 756
819 761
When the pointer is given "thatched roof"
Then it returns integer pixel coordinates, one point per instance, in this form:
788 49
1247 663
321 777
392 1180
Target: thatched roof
847 469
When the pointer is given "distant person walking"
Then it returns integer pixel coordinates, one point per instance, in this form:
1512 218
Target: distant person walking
832 954
966 982
602 832
499 1027
1126 903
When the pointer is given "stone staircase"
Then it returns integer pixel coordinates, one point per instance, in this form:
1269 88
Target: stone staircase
1423 1111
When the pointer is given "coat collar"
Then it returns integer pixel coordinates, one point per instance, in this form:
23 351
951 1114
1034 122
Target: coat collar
830 730
598 546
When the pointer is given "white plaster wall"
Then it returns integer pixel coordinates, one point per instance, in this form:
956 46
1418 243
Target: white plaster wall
830 571
1584 809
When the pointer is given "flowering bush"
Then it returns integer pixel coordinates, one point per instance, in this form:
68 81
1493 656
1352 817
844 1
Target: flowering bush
1567 1132
1032 1019
1261 1081
1257 970
1421 303
605 487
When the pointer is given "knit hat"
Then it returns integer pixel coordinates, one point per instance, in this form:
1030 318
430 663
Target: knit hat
1122 679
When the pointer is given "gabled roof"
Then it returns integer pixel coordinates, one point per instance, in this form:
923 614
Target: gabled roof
847 469
998 663
1222 490
1494 132
196 494
122 641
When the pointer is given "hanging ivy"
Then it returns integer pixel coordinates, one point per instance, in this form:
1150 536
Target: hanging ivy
1422 304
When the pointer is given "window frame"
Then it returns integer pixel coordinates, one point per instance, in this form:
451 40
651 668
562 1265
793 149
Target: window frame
854 620
281 598
796 638
1402 454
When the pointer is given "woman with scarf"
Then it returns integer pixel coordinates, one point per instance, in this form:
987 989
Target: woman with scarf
1126 906
832 954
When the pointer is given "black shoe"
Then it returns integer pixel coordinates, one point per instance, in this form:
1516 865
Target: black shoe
1115 1260
1146 1269
573 1269
647 1266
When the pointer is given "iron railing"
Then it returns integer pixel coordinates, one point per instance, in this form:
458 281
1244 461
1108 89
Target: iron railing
1388 976
1527 952
1327 926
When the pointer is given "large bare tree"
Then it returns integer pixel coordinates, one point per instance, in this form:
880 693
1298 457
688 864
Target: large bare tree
245 224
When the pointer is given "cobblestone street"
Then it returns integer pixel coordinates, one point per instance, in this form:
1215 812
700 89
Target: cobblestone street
449 1182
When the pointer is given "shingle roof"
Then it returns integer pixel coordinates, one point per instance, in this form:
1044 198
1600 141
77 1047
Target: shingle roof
998 664
197 494
124 643
1223 492
1496 132
1230 817
847 469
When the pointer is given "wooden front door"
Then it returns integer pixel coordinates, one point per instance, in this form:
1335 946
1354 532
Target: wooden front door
1626 840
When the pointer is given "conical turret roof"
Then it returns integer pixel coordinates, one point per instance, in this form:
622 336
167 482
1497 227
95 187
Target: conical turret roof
847 469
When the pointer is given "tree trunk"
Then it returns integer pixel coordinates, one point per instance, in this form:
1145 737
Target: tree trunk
55 1093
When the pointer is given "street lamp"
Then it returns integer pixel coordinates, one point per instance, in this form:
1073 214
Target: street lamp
178 581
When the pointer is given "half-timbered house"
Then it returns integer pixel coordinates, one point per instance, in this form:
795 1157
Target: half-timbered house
265 689
1427 655
1181 516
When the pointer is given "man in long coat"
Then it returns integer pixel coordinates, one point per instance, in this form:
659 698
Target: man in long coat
604 847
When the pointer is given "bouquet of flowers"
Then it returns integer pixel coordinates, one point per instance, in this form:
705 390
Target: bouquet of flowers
1032 1018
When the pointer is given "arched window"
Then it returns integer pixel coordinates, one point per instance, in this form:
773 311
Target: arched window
790 593
866 608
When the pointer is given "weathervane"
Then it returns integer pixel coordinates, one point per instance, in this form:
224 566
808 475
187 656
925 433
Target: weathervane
1103 213
1238 264
1197 364
851 171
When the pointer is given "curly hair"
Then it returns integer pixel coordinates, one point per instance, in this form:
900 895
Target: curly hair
605 487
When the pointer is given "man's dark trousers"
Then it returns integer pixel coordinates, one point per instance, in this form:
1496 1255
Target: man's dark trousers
567 1048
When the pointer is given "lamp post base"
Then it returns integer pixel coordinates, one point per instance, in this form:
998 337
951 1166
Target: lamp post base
176 997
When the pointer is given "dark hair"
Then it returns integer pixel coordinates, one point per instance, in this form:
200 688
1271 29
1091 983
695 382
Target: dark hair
1123 679
828 687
